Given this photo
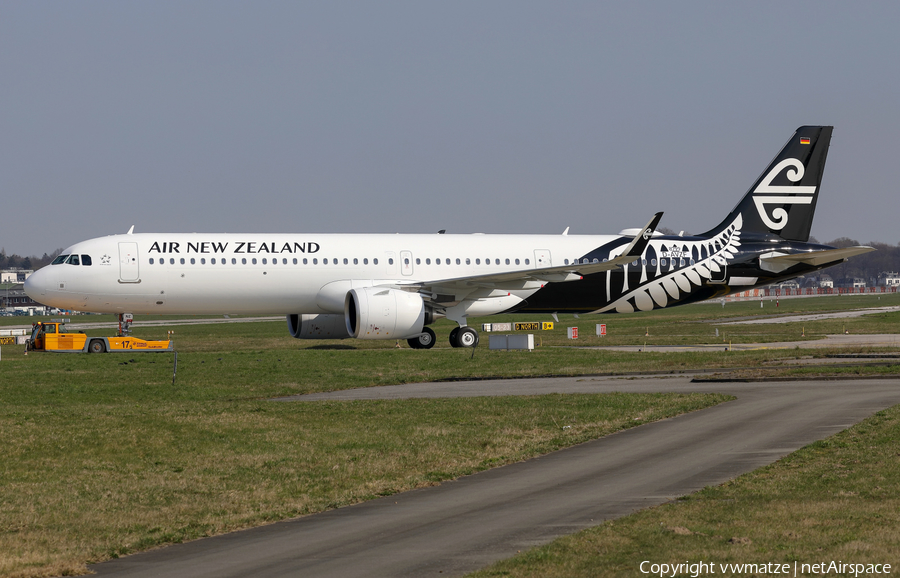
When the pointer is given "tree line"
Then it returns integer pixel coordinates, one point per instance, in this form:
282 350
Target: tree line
33 262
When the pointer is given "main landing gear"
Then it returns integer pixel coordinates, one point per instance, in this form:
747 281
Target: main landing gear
423 341
463 337
459 337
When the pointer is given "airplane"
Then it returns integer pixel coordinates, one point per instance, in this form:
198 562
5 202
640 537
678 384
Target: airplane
393 286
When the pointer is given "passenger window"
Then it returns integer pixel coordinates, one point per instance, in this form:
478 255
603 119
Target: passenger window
172 260
457 261
662 262
653 262
634 263
507 261
315 261
517 261
295 260
151 260
182 260
365 260
406 260
566 262
418 261
478 261
468 261
355 261
253 261
86 260
212 261
243 260
193 261
203 260
391 261
375 261
527 261
233 261
428 261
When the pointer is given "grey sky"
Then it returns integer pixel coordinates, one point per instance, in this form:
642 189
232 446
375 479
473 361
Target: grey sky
412 117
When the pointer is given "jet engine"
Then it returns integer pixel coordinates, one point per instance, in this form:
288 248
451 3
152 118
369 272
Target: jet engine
317 326
380 313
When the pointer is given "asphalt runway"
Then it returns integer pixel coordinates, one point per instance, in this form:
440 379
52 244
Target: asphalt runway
465 524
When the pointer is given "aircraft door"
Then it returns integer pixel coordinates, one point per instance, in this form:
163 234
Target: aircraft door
542 258
406 262
128 263
719 276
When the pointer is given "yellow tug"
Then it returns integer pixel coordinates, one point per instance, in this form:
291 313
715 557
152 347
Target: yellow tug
52 336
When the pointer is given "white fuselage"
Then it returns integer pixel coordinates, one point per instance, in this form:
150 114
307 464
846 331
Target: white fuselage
279 274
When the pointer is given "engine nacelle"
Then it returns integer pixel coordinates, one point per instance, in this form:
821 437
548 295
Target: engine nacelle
317 326
379 313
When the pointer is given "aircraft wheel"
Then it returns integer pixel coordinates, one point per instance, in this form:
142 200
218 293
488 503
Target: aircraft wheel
453 337
97 346
424 341
467 337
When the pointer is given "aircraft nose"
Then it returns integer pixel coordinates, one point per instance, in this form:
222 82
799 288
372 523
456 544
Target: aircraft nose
38 283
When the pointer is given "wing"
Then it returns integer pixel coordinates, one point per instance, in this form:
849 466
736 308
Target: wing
525 278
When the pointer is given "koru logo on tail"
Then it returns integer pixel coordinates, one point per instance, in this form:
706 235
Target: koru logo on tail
767 194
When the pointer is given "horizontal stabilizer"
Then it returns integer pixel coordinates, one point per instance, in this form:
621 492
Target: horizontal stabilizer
777 262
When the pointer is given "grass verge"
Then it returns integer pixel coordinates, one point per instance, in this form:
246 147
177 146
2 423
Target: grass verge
95 468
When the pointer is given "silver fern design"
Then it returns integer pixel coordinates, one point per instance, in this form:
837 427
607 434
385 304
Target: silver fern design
687 265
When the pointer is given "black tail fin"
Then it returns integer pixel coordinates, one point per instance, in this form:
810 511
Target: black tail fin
782 202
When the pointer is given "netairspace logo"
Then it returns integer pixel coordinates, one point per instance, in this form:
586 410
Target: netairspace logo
697 569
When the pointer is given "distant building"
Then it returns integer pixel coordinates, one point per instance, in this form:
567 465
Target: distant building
14 297
15 275
852 283
825 281
888 279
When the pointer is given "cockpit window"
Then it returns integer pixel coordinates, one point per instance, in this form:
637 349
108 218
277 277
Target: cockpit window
73 260
86 260
60 259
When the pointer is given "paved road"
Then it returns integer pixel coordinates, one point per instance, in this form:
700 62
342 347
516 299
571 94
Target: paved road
465 524
810 316
829 341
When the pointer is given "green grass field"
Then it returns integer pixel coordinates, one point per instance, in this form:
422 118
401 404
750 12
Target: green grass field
104 456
